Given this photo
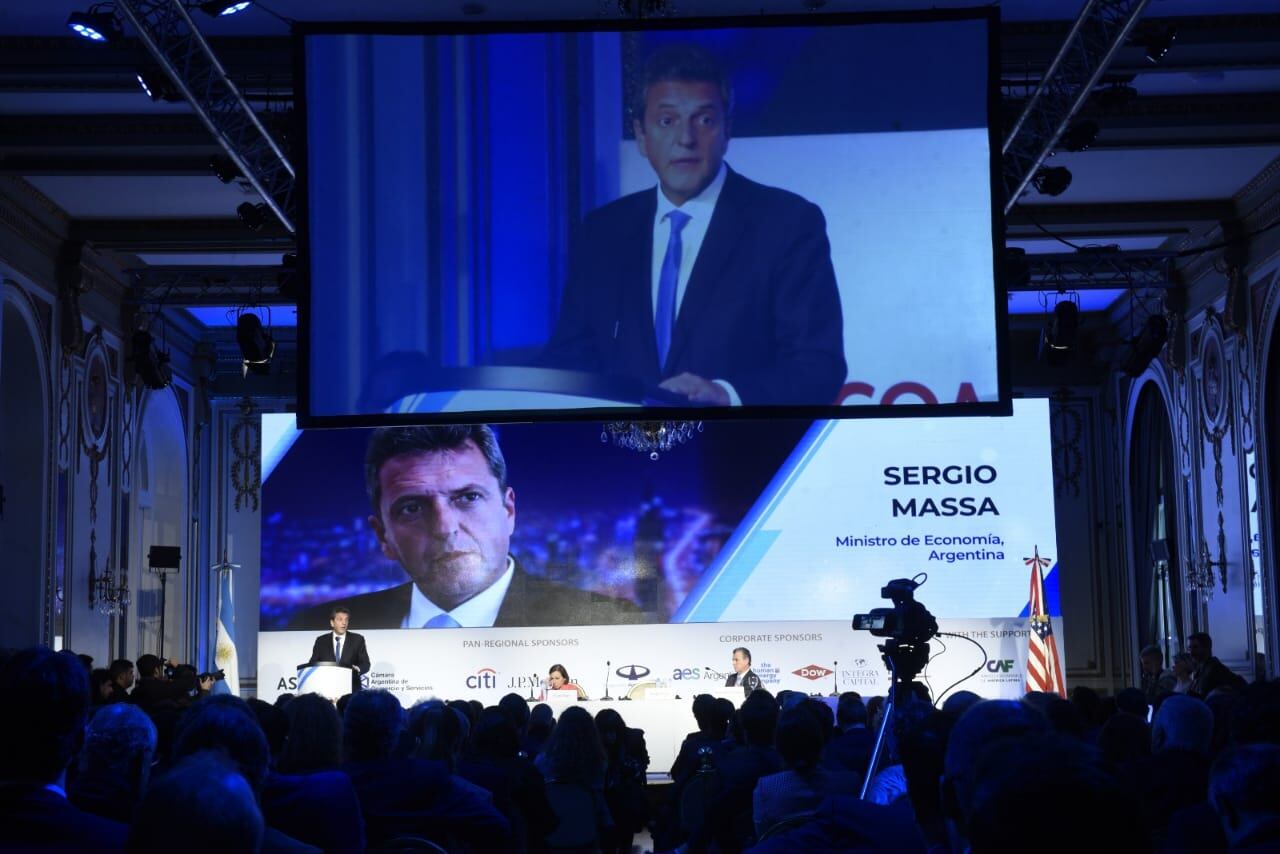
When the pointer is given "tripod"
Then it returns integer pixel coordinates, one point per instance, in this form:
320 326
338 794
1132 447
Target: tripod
905 661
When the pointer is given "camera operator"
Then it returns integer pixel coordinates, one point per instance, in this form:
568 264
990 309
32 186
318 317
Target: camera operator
168 682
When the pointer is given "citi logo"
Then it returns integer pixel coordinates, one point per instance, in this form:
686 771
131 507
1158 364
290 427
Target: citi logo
812 671
485 677
632 672
1000 666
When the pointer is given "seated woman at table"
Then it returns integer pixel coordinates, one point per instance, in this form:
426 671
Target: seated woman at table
558 680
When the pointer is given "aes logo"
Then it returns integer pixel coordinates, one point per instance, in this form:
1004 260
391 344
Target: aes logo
1003 665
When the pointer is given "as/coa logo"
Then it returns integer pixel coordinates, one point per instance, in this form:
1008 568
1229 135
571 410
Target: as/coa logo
813 671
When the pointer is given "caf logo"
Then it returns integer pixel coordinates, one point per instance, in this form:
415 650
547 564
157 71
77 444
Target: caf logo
632 672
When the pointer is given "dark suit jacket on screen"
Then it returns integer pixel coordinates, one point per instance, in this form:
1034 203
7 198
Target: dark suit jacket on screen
761 309
530 601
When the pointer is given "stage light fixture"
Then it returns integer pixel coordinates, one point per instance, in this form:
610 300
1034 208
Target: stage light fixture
1146 346
1052 180
156 84
149 361
96 26
1158 44
1115 96
1080 136
223 168
256 344
222 8
1059 334
254 216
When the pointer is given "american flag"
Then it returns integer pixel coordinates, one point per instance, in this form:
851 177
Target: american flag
1044 666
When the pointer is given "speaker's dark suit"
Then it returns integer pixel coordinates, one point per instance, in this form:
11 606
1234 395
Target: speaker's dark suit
749 681
529 601
354 653
761 309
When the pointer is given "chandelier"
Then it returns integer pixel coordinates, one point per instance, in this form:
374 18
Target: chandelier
650 437
1200 572
111 599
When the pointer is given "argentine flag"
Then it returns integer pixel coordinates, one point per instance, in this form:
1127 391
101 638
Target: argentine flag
224 645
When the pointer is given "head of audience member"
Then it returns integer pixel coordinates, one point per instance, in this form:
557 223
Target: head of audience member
101 688
372 726
122 674
959 703
284 699
1257 718
922 744
1222 705
86 660
1065 717
225 724
1243 783
43 716
875 710
850 712
557 677
517 709
150 667
119 746
706 716
798 739
723 715
1152 660
1199 647
1010 786
541 721
1088 703
573 753
468 712
613 732
1123 740
275 726
1183 666
202 799
495 737
1131 701
438 732
682 118
983 724
825 717
758 718
452 550
313 741
1182 723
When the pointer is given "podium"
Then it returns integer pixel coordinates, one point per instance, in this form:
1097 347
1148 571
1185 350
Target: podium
326 678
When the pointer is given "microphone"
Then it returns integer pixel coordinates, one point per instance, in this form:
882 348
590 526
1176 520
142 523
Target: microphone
835 679
607 666
533 683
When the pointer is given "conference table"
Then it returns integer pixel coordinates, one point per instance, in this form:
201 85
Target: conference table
665 723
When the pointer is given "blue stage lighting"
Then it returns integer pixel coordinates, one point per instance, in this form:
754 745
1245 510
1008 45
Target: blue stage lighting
99 27
222 8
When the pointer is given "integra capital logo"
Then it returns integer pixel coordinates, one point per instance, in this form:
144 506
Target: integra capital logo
485 677
632 672
813 671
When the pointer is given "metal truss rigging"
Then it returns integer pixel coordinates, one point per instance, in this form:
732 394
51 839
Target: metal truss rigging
1100 30
174 41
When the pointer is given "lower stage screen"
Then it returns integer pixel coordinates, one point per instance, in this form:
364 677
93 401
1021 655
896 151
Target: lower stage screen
542 544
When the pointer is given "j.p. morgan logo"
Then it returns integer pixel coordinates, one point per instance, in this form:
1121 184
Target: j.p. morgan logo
812 671
632 672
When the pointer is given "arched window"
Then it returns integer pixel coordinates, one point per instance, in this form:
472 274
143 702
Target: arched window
1153 486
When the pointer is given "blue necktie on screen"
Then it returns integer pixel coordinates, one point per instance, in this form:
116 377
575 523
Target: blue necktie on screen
337 648
664 319
443 621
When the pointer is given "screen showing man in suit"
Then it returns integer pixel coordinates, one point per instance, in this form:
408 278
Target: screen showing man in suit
442 510
711 287
744 218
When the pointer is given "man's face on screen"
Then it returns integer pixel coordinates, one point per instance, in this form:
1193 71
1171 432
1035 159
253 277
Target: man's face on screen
684 135
446 521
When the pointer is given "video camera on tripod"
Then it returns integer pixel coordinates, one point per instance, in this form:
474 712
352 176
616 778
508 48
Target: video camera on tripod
908 627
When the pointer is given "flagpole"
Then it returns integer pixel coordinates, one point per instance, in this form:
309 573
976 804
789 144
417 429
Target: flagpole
225 572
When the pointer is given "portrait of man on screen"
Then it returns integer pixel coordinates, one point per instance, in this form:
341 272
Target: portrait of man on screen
442 509
711 287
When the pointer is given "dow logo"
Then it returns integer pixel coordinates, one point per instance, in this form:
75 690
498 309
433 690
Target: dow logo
632 672
812 671
1003 665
